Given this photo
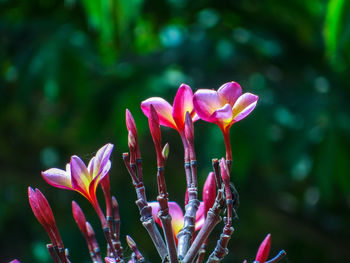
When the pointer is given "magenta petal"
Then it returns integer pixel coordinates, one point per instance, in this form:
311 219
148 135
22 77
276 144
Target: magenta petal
200 217
183 103
205 103
80 176
101 159
155 210
163 108
57 178
91 165
229 92
104 171
244 105
177 217
222 115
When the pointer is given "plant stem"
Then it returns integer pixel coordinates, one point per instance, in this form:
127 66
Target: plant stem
226 134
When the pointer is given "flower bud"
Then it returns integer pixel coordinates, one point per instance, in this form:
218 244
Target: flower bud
264 249
130 123
79 218
43 213
209 192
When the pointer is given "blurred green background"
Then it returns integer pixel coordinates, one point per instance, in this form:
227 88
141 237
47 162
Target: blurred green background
70 68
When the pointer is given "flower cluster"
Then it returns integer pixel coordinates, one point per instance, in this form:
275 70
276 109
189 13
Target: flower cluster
185 233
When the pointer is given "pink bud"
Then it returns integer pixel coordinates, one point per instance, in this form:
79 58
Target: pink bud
264 249
209 192
130 123
36 207
43 213
45 208
79 218
15 261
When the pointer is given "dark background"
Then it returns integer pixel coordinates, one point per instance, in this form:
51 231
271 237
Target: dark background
70 68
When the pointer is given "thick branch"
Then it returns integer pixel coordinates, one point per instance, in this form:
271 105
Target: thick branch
210 222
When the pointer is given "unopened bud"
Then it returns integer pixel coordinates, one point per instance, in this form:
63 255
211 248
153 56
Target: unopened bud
165 151
209 192
130 123
79 218
264 249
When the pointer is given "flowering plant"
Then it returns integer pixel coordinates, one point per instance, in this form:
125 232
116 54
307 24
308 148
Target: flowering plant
185 235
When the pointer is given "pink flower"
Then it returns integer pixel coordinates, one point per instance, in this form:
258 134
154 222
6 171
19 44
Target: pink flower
264 249
172 116
177 216
83 179
224 107
80 178
209 193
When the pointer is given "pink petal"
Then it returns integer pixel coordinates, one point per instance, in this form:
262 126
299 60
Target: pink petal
243 106
101 159
155 210
183 103
163 108
175 212
81 178
222 115
91 165
177 217
205 103
229 92
58 178
94 183
111 260
200 217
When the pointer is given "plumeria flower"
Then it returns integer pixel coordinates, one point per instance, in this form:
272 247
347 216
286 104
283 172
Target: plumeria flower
80 178
209 193
224 107
172 116
177 216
